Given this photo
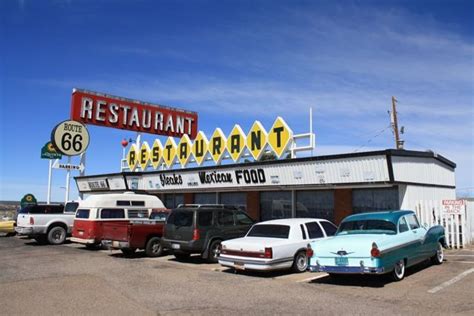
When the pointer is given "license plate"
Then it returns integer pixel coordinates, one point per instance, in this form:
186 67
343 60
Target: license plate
175 246
81 233
115 244
342 261
239 265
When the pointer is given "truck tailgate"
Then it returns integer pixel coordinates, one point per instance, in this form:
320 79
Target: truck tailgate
115 231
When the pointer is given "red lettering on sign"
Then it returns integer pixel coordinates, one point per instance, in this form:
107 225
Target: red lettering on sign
110 111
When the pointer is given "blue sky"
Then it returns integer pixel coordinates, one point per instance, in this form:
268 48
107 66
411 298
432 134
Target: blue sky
237 62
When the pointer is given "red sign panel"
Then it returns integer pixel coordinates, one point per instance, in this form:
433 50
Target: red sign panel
110 111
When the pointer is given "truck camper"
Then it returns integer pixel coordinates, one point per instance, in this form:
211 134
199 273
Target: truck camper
98 209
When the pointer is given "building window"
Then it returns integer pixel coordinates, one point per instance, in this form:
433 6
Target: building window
204 198
238 199
315 204
371 200
173 200
275 204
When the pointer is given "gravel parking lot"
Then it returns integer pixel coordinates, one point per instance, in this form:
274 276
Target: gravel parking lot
69 279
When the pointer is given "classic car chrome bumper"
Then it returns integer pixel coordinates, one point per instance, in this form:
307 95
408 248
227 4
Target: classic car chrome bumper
346 269
240 263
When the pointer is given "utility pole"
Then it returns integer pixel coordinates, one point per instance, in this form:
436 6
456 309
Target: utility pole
398 142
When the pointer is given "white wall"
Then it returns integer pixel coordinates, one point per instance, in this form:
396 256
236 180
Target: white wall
422 170
410 194
470 218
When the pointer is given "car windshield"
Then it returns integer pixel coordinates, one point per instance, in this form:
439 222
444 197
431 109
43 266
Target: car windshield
269 231
370 226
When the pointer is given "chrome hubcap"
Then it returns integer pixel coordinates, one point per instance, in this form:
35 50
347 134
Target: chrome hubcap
301 262
440 253
215 251
156 247
399 268
57 235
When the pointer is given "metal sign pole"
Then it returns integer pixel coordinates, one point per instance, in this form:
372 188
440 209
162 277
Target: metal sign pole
50 174
83 171
68 176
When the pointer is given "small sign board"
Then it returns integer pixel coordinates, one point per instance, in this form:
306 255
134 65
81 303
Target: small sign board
28 199
454 206
71 138
49 152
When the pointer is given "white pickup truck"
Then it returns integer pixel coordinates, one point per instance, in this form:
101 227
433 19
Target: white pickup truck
47 223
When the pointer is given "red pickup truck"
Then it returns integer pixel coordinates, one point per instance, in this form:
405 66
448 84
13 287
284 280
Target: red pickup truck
136 234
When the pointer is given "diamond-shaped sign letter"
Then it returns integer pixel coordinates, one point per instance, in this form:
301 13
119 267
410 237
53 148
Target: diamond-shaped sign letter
156 154
144 155
280 136
200 147
257 140
169 152
132 157
217 145
184 150
236 143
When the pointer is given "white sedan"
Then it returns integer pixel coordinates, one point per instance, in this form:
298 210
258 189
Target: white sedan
275 244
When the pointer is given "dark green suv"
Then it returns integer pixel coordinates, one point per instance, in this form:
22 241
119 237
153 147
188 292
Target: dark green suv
200 229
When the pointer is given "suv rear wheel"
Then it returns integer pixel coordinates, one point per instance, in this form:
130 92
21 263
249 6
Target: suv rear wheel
56 235
213 251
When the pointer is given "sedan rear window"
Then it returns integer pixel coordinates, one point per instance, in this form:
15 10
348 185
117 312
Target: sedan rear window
367 226
270 231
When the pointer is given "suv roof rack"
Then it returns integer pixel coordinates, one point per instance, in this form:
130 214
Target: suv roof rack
198 206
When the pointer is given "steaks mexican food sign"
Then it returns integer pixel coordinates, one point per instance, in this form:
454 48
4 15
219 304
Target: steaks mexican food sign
111 111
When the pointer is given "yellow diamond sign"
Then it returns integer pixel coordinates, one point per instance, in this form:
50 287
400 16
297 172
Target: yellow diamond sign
156 154
257 140
217 145
132 157
280 136
144 155
200 147
169 152
184 150
236 143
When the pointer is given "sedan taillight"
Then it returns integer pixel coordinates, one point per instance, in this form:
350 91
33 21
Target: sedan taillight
268 253
375 252
32 220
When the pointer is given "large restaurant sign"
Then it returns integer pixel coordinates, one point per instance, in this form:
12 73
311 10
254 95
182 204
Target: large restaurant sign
278 140
106 110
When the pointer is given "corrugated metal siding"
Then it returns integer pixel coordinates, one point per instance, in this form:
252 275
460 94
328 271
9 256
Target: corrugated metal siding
422 170
411 194
336 171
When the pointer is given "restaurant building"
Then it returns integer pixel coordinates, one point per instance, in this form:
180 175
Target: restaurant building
329 187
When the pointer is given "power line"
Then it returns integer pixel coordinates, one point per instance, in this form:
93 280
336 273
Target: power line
372 138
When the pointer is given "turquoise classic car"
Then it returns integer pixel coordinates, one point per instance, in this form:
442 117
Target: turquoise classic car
377 243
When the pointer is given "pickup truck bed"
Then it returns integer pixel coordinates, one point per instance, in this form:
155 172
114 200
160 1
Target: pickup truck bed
136 234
